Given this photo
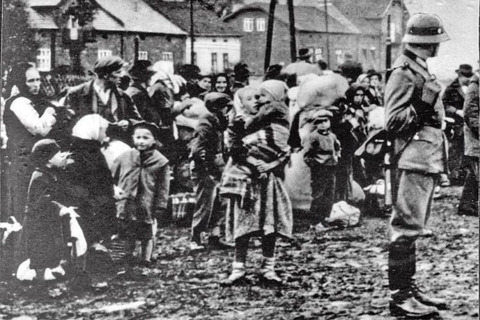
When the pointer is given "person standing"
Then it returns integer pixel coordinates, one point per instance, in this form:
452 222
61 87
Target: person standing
102 96
414 117
469 200
453 100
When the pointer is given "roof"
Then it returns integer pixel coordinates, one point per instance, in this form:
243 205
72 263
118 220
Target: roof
41 19
308 18
206 22
138 16
366 9
113 15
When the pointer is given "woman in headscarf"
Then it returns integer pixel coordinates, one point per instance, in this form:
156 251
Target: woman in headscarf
258 204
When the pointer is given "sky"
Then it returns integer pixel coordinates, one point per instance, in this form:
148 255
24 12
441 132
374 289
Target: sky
461 21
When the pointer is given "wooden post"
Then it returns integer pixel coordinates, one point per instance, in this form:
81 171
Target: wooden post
327 33
271 19
192 35
53 40
291 21
388 49
136 43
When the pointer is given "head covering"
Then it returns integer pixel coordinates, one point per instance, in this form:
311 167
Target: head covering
372 72
215 101
362 77
278 89
89 127
150 126
241 72
43 151
465 70
106 65
238 106
425 28
321 91
141 69
304 54
322 113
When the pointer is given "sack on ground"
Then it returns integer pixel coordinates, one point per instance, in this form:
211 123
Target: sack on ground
344 215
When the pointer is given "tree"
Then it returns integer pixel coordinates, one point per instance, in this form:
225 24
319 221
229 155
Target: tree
18 39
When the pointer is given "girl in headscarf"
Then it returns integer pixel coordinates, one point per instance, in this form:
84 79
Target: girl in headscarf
257 200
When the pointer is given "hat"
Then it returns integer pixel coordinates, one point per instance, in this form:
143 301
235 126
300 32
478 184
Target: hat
465 70
278 89
425 28
141 68
107 65
304 54
371 73
43 151
215 101
322 113
152 127
241 72
321 91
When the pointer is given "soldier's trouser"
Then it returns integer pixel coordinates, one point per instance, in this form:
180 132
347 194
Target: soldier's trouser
209 211
414 193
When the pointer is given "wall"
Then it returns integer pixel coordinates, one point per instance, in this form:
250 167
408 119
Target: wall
205 46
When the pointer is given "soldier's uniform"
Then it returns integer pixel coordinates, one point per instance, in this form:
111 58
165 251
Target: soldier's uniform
414 116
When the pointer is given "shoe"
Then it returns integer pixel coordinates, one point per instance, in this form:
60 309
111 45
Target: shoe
268 271
195 246
440 304
405 305
426 233
320 227
237 275
437 194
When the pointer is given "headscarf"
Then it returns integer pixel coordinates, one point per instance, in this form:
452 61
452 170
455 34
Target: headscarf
90 127
238 107
278 89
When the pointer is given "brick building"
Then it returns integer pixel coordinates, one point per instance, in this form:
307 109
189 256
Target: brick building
118 28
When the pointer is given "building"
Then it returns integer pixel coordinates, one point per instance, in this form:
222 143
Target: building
355 27
217 45
120 27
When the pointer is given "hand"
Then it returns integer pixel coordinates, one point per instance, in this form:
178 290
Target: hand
262 166
69 211
119 194
459 113
51 111
123 124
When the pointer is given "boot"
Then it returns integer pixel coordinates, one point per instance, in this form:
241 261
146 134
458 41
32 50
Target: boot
404 304
440 304
268 271
237 275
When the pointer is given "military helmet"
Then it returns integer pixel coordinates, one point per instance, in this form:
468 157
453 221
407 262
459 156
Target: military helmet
425 28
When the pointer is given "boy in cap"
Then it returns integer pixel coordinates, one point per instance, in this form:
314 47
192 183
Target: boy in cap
322 150
143 173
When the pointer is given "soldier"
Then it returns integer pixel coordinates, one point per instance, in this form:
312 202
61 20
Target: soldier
414 117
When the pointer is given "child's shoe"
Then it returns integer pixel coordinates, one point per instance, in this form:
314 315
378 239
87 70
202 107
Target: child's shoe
268 271
237 275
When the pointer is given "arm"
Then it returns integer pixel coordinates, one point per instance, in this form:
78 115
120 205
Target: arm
162 189
35 124
399 112
471 108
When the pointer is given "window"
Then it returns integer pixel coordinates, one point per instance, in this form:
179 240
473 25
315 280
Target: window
142 55
72 24
104 53
373 53
167 56
261 24
226 62
365 55
339 56
214 62
195 58
318 54
248 24
43 60
393 32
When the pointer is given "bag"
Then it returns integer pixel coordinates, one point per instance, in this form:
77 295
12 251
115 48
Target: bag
344 215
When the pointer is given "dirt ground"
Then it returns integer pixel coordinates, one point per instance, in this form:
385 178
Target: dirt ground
336 275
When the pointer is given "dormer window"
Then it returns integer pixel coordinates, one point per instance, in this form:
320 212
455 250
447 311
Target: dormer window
72 25
248 24
260 24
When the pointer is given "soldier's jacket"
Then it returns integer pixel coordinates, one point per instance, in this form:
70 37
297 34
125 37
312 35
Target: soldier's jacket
414 114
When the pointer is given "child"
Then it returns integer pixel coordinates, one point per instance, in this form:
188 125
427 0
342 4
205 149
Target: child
322 150
143 173
43 225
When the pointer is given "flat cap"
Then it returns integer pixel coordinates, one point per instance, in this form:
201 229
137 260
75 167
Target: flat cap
106 65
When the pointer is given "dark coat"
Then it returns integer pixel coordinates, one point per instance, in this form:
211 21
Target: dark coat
419 142
471 114
43 227
143 102
145 178
90 184
453 100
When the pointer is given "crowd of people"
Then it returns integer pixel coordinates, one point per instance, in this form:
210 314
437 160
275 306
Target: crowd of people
111 157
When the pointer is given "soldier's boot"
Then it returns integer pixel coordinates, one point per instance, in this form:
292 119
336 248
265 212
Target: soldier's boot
404 304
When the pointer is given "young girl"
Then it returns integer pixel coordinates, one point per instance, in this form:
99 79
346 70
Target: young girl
257 201
143 173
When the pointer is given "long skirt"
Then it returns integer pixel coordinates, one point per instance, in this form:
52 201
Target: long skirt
267 210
